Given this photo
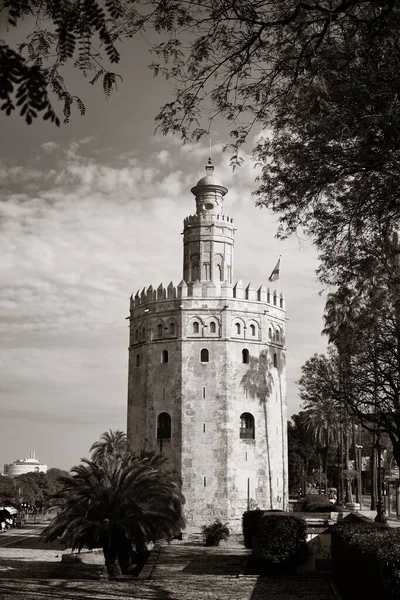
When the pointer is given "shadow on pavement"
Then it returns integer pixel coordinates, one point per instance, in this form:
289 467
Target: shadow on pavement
30 543
214 564
294 587
12 568
80 590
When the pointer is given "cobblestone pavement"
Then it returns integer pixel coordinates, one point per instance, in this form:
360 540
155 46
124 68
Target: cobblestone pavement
183 572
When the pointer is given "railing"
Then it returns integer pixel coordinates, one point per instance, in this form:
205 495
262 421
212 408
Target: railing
247 433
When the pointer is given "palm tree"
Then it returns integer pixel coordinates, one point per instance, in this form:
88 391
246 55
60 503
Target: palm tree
116 502
321 420
111 443
342 309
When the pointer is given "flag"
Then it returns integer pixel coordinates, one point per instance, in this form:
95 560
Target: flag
275 273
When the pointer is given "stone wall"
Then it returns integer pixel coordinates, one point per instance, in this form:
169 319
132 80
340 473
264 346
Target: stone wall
221 472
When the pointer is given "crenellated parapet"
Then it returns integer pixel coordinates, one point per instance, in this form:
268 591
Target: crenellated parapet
202 218
208 289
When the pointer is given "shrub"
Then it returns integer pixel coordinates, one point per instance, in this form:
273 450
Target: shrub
250 520
280 540
366 560
215 532
318 503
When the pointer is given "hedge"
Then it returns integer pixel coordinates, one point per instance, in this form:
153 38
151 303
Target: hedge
250 520
279 541
366 560
318 503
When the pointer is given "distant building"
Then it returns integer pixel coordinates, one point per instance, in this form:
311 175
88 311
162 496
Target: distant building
23 466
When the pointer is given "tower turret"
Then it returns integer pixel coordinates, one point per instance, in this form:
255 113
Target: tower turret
209 193
208 235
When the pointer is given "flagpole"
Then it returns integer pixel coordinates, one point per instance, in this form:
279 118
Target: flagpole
275 275
279 278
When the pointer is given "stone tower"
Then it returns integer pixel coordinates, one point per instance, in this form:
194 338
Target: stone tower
207 382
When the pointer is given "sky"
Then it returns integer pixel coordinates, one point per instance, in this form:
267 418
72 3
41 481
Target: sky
89 213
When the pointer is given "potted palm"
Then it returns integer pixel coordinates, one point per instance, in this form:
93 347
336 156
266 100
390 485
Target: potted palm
215 533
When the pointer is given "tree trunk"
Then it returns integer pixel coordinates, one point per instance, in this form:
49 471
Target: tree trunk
110 552
356 465
141 551
325 458
126 556
340 468
348 494
374 487
320 473
304 490
396 451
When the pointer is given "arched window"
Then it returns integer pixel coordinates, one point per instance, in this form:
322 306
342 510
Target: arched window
281 302
245 356
219 273
172 328
204 355
246 426
143 334
237 326
270 333
138 360
277 336
164 356
213 327
136 335
252 330
159 330
195 270
163 426
275 361
196 327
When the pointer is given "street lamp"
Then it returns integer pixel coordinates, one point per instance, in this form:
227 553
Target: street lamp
380 508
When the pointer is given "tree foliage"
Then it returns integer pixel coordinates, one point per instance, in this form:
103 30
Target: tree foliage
321 79
111 443
363 322
7 490
117 500
319 391
34 489
63 31
302 455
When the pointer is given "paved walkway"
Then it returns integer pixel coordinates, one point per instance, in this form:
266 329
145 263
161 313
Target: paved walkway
193 572
183 571
392 521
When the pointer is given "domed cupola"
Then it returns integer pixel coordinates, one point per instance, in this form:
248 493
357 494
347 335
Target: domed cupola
209 193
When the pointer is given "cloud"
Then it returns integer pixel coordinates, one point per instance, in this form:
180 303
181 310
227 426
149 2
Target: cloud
50 147
163 156
79 233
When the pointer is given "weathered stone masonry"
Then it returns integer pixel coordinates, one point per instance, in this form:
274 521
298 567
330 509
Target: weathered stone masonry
207 377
